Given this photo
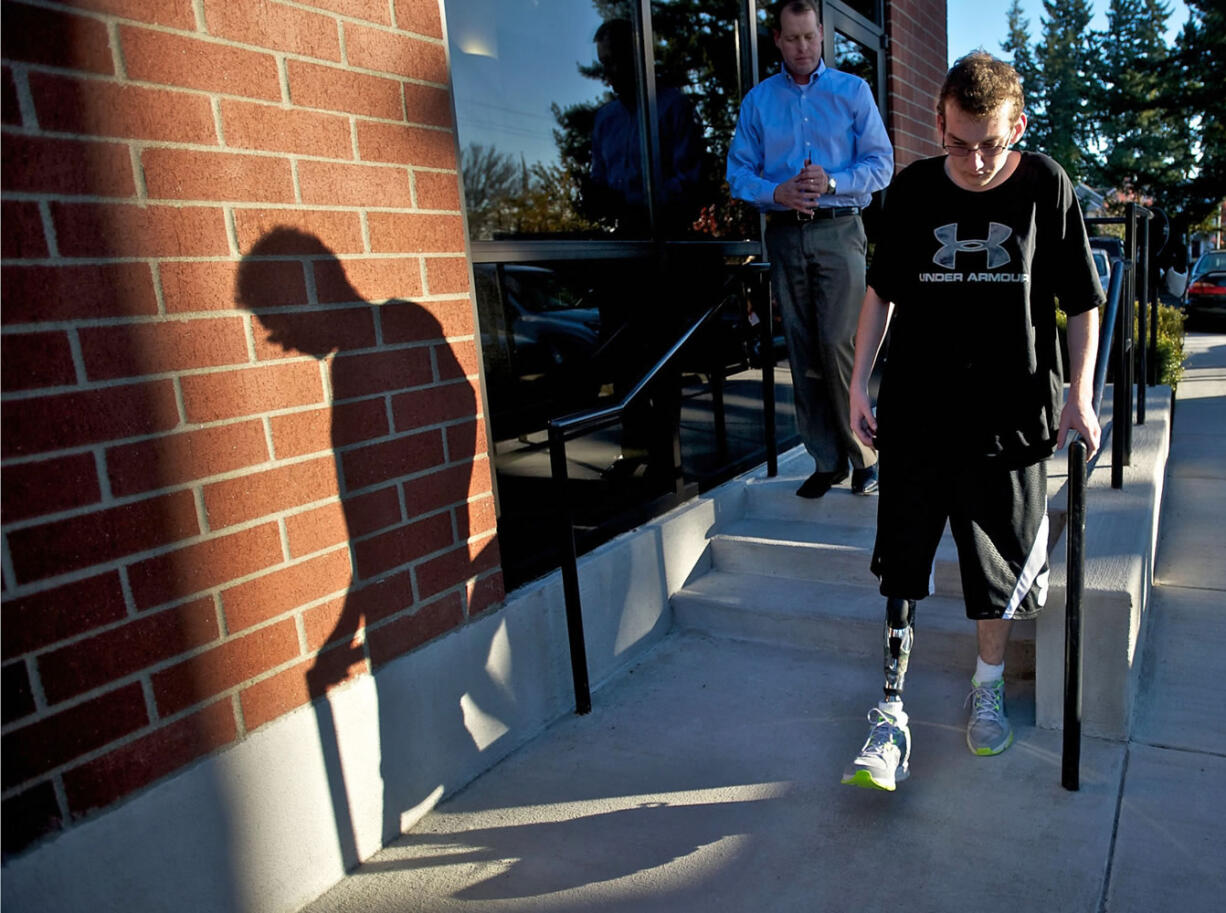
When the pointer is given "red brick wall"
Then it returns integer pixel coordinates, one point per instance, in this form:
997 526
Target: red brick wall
204 528
915 71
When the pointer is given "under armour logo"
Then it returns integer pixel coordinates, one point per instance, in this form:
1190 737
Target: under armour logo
947 256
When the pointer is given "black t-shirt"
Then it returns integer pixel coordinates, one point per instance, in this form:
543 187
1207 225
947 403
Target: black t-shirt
973 365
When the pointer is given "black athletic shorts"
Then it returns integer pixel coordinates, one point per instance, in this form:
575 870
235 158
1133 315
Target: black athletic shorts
998 517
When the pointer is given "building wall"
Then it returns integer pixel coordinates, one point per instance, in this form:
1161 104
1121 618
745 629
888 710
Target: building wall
243 453
915 71
204 527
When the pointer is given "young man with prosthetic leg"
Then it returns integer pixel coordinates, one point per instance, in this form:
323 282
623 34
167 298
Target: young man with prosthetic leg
976 249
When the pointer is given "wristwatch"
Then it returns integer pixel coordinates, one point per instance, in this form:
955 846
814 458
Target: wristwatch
831 185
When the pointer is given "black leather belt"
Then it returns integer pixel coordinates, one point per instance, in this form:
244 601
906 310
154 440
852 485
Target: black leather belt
791 216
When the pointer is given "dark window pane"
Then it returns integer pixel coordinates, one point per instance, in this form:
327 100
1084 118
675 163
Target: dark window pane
866 8
528 88
698 99
566 336
769 60
853 57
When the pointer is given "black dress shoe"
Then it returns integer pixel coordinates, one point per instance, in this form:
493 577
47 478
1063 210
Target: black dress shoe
864 481
820 482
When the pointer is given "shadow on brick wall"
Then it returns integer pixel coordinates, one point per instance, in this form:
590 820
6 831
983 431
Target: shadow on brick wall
404 435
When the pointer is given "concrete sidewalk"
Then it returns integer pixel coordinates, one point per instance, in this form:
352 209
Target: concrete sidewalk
707 778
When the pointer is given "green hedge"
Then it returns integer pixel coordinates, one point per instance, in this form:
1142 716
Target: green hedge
1170 342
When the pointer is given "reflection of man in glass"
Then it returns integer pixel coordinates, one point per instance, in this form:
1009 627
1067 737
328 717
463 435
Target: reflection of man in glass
616 188
809 150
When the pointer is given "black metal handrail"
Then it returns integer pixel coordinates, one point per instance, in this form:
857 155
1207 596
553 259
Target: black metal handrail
1075 527
564 428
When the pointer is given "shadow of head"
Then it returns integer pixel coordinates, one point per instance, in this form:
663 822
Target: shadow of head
278 281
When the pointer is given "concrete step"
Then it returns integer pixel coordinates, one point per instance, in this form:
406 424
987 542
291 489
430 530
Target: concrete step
776 499
837 617
830 550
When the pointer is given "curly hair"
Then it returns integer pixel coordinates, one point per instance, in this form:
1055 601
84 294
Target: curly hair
981 85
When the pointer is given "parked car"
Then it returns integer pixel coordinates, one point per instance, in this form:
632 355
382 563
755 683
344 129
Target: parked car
1207 286
1102 264
1105 250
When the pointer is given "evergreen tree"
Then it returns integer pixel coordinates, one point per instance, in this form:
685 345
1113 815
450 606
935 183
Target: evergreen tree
1065 126
1016 48
1191 85
1146 146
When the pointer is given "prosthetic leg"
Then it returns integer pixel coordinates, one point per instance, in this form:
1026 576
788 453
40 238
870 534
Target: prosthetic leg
899 636
885 758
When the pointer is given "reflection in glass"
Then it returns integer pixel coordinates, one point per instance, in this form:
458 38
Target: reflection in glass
869 9
551 133
565 336
524 106
615 192
695 53
853 57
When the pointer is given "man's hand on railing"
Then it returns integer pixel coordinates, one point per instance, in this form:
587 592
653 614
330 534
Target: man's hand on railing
1078 415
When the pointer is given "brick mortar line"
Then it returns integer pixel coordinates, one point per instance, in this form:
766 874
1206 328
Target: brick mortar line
232 694
86 76
922 25
60 261
25 99
76 575
189 427
6 567
202 32
124 741
76 354
240 720
14 396
49 232
142 143
236 205
129 599
144 676
224 635
287 56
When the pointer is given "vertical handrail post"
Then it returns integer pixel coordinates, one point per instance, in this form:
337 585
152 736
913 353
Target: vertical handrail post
717 401
766 348
1142 313
1075 533
570 571
1130 333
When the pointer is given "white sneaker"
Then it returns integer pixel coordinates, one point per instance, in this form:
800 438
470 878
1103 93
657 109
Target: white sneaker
885 758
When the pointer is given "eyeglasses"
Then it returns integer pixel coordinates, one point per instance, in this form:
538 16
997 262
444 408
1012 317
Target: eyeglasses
988 152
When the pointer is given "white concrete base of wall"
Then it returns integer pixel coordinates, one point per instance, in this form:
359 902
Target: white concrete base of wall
1121 543
268 824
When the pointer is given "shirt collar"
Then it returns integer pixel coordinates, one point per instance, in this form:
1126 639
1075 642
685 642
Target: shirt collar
813 77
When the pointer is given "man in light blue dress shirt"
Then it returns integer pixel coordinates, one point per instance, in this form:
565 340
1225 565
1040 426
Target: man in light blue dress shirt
810 149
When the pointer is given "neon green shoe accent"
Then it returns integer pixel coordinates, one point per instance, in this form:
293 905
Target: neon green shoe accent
885 758
988 730
865 779
988 752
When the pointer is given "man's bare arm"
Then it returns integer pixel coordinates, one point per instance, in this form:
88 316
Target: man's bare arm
875 315
1078 413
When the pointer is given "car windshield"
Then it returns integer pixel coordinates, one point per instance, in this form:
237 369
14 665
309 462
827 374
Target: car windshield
1101 263
1211 262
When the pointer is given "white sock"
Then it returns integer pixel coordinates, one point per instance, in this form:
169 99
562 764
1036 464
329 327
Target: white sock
894 710
986 672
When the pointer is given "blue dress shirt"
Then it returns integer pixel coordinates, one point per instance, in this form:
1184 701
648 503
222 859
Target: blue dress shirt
833 121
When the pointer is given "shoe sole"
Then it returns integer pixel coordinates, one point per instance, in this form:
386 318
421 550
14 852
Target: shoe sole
987 751
865 779
813 494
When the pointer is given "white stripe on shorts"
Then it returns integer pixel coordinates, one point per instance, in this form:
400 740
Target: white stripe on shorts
1032 573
